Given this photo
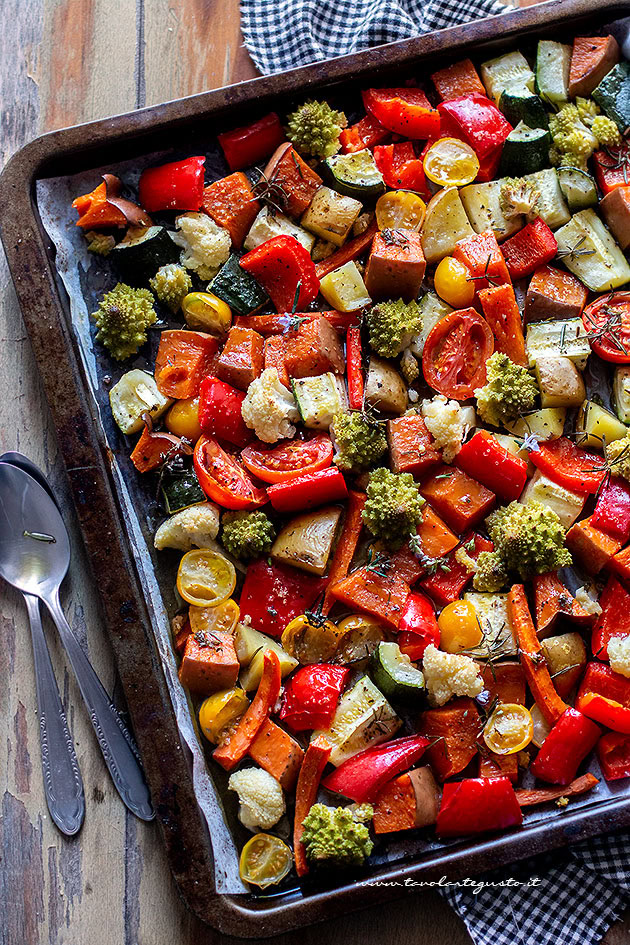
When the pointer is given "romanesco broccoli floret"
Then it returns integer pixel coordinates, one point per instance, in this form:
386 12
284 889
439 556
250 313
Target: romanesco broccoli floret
618 456
490 572
314 129
587 109
247 535
393 508
122 319
171 284
392 325
606 131
510 390
528 539
360 440
519 196
337 835
99 243
573 142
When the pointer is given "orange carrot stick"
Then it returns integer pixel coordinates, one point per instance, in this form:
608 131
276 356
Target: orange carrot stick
542 795
236 747
346 546
315 760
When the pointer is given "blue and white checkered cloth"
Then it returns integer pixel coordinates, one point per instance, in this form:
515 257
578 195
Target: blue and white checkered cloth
583 890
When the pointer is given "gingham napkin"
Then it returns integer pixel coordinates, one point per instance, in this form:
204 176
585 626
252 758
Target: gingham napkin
581 891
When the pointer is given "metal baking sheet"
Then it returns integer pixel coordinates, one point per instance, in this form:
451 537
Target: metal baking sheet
58 284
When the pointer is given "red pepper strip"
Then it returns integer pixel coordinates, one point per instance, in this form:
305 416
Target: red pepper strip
612 510
274 594
405 111
276 324
249 144
346 546
361 777
446 586
603 680
480 122
567 744
308 491
418 626
568 465
365 134
606 711
220 412
532 660
533 246
586 782
613 753
354 368
236 747
315 760
477 805
311 695
350 250
614 620
400 167
174 186
285 270
612 167
484 459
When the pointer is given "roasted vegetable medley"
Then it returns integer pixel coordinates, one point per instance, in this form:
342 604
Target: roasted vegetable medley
389 420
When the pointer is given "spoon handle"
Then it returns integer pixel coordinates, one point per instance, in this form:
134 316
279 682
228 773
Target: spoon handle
118 747
62 779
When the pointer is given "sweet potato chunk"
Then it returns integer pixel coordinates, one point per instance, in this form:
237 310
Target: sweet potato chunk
231 204
210 664
461 501
315 349
455 727
278 753
592 58
615 207
592 547
241 360
396 265
553 293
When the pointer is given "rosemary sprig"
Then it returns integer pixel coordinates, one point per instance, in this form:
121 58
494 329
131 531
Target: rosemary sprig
271 192
484 274
574 251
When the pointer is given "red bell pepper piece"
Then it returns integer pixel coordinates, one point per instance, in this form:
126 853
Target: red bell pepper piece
285 270
446 586
612 510
354 367
606 711
174 186
400 167
361 777
405 111
477 805
237 745
220 412
484 459
568 465
315 760
274 594
604 696
365 134
613 753
480 122
533 246
567 744
614 620
308 491
612 167
418 626
310 697
249 144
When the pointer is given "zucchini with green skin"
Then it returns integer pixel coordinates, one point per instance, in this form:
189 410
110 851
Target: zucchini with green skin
355 175
319 399
143 251
589 251
237 288
510 72
566 338
134 396
553 63
551 205
613 95
621 393
395 675
363 718
180 489
578 188
522 106
525 151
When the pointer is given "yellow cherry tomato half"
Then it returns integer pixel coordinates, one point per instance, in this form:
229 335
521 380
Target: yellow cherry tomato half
219 711
359 635
310 639
400 209
221 617
451 163
205 578
265 860
203 311
183 419
459 627
453 284
509 729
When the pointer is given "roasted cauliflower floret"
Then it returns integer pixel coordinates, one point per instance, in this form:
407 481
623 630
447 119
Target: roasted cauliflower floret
619 655
269 409
449 674
618 456
261 798
205 246
519 196
445 422
194 527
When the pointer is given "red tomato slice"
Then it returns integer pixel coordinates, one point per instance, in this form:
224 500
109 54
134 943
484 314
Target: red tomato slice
289 459
569 465
407 112
455 354
223 479
607 321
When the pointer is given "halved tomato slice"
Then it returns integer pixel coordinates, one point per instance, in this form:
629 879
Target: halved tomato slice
607 321
223 479
288 459
455 354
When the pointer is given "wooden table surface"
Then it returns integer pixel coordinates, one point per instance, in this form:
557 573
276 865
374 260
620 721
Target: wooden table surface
62 62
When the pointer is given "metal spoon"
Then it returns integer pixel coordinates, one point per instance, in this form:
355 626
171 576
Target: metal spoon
34 557
63 786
